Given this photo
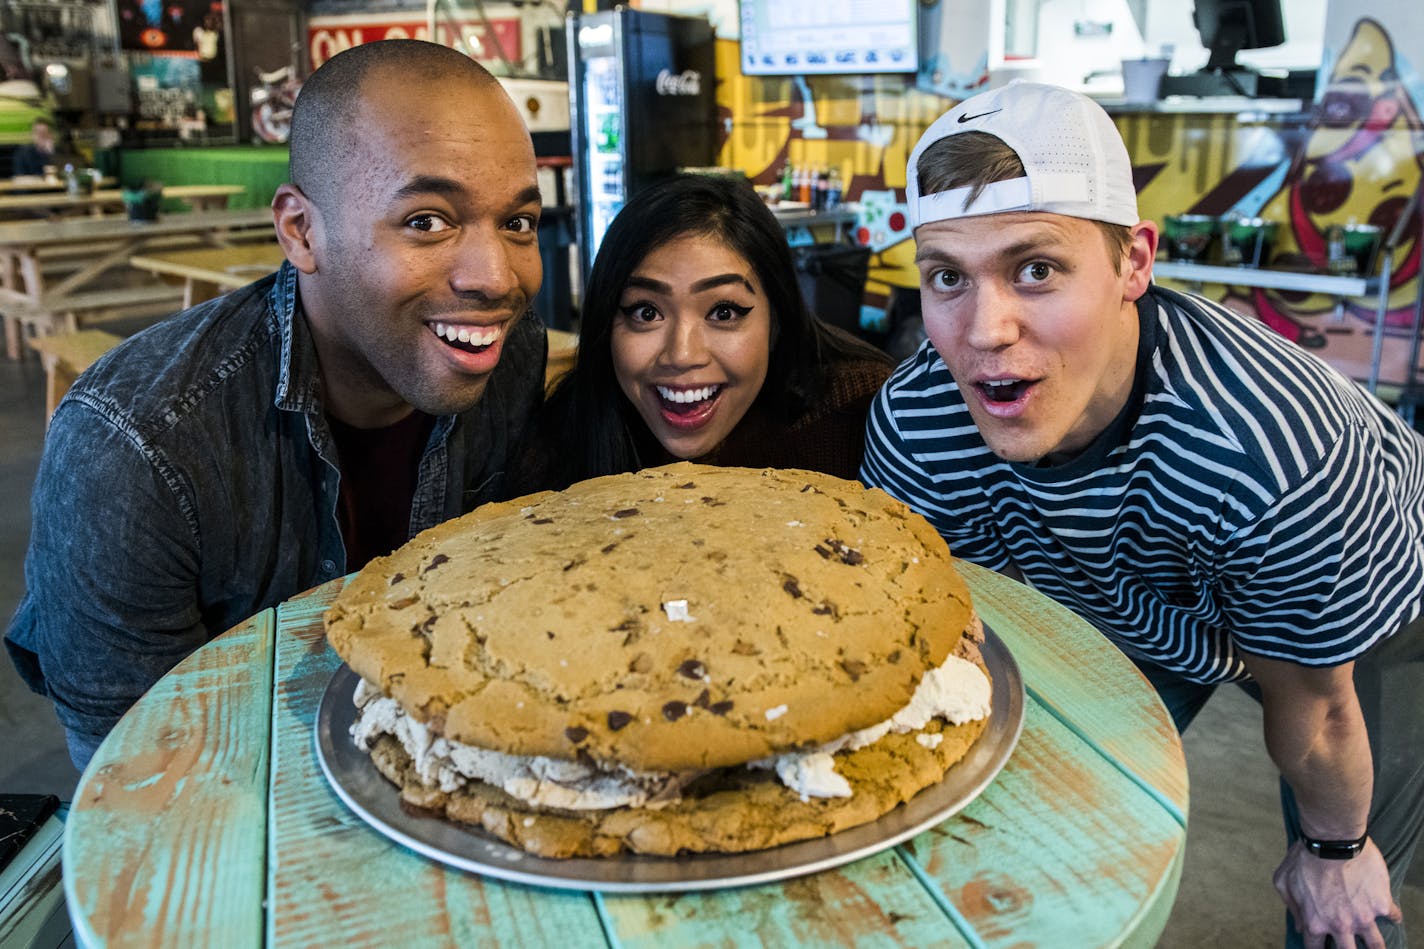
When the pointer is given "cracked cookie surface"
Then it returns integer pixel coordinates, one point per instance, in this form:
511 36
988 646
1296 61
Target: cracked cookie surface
677 618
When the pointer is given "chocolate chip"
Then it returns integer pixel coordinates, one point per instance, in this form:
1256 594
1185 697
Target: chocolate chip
575 734
790 585
807 488
618 720
549 633
827 609
404 601
543 520
703 700
672 711
713 502
743 648
825 554
721 708
848 555
692 669
608 548
854 668
690 484
626 512
436 561
893 658
397 578
627 624
577 561
429 623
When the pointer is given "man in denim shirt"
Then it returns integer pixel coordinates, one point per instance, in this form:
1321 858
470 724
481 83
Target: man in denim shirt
275 438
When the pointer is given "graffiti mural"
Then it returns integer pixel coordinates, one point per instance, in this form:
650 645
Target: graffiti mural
1352 157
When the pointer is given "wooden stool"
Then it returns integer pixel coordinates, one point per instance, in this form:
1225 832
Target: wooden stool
65 355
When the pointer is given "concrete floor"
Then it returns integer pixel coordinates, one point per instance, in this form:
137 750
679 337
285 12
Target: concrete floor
1226 898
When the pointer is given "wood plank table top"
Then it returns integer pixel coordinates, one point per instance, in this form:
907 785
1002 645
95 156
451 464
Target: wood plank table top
120 238
202 197
208 272
224 267
205 817
29 183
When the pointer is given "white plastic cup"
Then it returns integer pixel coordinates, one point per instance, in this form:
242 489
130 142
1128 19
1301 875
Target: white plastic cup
1142 79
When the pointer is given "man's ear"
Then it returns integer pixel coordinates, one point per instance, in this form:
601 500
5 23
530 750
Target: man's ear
1141 251
297 222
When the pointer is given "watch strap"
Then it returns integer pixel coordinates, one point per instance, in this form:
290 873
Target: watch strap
1335 849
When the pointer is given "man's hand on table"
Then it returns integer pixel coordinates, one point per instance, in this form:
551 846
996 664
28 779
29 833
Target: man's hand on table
1340 898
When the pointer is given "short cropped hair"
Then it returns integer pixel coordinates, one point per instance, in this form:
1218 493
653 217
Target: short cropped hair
975 160
324 125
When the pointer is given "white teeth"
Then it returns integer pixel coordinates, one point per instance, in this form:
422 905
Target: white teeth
474 335
688 395
1001 383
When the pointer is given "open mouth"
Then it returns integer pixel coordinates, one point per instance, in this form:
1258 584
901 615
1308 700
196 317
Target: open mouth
1004 390
469 339
687 403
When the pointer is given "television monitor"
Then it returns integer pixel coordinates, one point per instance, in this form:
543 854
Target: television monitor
827 37
1228 26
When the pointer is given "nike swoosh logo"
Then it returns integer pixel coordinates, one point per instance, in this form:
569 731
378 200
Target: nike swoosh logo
971 118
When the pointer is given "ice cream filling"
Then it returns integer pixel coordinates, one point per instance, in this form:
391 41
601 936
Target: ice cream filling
957 691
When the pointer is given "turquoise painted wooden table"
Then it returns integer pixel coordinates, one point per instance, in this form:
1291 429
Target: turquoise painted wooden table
204 819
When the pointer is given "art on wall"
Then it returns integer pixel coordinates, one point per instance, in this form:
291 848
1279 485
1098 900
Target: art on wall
190 28
1353 156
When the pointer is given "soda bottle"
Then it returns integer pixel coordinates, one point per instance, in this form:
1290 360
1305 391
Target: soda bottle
787 184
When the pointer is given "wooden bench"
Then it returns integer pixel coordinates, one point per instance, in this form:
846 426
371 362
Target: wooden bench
56 314
65 355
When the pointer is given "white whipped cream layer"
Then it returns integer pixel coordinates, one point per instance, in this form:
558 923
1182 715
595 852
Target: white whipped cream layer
957 691
547 782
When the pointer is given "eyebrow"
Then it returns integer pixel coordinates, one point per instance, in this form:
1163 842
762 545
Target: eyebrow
706 283
1022 248
450 188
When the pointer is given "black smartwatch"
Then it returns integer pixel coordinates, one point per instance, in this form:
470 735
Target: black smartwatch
1335 849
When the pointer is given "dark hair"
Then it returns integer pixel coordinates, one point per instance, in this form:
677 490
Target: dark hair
593 419
975 160
324 119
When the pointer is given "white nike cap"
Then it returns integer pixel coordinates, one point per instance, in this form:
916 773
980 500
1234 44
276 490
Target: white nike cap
1074 160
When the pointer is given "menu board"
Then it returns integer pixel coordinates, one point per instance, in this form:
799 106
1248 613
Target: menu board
817 37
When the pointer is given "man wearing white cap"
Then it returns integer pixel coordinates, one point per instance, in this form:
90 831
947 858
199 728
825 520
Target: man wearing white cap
1221 504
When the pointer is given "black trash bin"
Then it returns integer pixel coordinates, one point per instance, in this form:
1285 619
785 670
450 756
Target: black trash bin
832 279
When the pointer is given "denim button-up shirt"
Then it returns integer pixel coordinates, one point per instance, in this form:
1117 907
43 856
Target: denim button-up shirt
189 480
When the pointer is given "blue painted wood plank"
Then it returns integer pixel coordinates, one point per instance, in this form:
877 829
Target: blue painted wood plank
336 881
1063 849
1081 677
164 845
877 901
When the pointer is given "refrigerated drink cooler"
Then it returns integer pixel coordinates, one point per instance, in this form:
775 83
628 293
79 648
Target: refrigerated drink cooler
656 67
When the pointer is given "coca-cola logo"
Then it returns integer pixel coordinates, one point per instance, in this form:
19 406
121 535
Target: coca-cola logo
686 83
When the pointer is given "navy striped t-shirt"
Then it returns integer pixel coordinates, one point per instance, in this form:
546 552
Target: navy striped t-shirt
1249 498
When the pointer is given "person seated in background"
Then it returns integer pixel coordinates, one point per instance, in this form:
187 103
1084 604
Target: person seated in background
695 344
30 160
1220 503
280 436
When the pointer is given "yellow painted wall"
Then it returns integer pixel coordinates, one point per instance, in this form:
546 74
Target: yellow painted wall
1355 157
